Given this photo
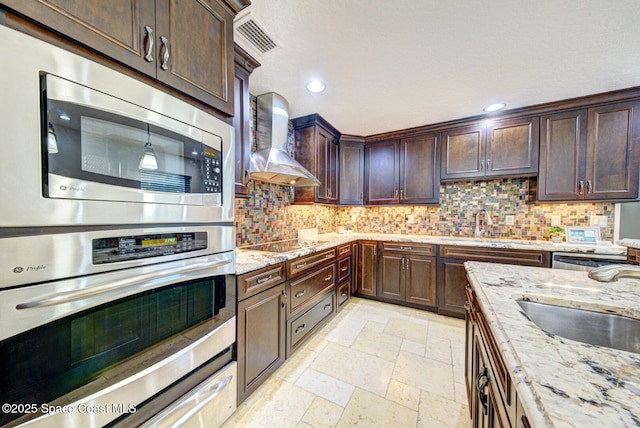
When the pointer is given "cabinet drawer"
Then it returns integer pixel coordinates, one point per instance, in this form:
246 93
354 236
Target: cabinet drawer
254 282
344 293
344 269
302 291
344 250
497 255
302 327
303 264
410 248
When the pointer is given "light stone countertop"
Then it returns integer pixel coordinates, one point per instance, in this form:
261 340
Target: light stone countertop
633 243
249 260
561 382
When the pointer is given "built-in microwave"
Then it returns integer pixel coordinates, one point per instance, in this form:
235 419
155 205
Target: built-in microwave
85 145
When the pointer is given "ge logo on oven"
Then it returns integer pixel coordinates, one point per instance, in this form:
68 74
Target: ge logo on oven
18 269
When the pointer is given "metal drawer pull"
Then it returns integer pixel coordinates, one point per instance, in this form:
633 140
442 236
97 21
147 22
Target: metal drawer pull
406 248
481 383
344 293
580 187
344 250
467 306
165 54
298 266
344 269
589 187
328 256
264 279
284 298
328 277
300 328
300 293
148 44
328 305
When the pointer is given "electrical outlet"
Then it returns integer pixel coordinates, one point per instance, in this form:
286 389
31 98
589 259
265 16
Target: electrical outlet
411 218
509 220
556 221
598 220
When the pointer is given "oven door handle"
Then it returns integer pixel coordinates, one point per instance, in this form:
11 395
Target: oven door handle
207 394
156 279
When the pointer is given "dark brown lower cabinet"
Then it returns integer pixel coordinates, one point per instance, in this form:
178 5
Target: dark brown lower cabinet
305 324
451 296
367 268
355 274
452 276
261 338
408 273
490 391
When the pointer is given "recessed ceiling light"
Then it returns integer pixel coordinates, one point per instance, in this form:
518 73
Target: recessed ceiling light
494 107
316 86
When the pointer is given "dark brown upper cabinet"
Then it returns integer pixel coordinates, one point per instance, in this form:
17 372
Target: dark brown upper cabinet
244 66
502 148
316 148
351 151
403 171
187 45
590 154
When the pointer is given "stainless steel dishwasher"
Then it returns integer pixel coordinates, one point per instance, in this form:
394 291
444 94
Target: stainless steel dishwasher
585 261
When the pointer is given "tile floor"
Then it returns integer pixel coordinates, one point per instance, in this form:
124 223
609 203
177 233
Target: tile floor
373 365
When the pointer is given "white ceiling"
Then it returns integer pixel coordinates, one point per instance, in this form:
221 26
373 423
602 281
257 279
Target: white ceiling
391 65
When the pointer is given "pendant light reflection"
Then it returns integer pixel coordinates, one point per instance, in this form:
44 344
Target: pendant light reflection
148 160
52 140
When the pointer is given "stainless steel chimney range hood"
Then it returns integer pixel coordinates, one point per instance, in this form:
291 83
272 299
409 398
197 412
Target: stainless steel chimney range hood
271 162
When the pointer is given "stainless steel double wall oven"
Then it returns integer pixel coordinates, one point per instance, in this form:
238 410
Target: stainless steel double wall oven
116 238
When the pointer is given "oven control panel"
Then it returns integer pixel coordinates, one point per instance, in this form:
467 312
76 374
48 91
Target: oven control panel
133 247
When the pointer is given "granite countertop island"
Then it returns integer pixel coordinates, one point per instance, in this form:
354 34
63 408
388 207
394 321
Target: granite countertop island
561 382
248 260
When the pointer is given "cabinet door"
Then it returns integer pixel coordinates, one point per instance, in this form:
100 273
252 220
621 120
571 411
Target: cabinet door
420 279
261 338
563 156
351 173
392 269
463 152
332 170
241 126
355 274
512 147
613 138
420 169
367 267
326 167
195 50
381 173
451 287
114 29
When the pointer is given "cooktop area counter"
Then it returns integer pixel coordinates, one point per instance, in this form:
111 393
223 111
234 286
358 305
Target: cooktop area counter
560 381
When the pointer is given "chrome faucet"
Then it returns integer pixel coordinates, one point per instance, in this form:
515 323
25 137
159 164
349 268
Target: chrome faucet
611 273
481 230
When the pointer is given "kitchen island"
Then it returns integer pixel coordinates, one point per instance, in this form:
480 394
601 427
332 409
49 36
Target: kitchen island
560 382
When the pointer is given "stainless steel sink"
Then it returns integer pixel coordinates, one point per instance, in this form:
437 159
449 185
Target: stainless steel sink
611 331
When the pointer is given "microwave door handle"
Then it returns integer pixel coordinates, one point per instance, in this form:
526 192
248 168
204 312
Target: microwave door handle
158 278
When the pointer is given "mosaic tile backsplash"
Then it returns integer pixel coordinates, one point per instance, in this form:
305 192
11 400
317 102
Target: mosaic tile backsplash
268 215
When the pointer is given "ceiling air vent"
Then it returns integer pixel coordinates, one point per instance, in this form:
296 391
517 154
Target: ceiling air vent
253 32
